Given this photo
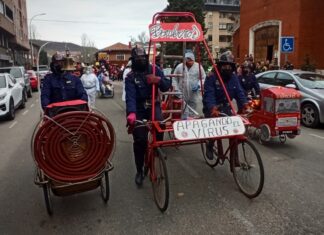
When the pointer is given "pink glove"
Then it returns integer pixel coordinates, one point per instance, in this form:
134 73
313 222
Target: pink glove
131 118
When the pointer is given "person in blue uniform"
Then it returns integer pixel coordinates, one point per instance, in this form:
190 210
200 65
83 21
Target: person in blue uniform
214 99
61 86
138 87
249 83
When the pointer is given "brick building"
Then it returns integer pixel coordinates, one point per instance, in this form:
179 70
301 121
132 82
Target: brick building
262 23
220 19
14 45
117 54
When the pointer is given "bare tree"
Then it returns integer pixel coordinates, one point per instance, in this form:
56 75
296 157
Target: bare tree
141 39
88 49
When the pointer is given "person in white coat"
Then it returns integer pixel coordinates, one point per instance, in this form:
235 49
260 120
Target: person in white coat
91 85
189 83
127 69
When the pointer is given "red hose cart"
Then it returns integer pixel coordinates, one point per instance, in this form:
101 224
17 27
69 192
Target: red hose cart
72 148
275 114
243 156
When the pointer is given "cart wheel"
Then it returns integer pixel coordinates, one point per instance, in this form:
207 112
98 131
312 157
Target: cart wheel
282 138
104 187
160 182
247 168
47 197
210 162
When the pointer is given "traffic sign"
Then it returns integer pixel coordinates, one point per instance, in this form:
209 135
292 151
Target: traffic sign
287 44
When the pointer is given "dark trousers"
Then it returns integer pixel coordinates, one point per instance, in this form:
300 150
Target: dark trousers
140 134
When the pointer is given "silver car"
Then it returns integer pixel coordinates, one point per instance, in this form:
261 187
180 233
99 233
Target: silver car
310 85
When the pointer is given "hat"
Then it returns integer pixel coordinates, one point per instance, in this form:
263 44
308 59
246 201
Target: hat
226 59
190 55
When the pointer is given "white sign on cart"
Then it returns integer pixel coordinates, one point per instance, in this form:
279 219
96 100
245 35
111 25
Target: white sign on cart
208 128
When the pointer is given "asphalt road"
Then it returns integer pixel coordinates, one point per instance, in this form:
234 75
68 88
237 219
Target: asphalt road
202 200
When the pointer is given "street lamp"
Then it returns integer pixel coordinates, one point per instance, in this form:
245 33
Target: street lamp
30 35
39 82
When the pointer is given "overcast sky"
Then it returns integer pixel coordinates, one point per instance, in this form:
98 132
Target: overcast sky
105 21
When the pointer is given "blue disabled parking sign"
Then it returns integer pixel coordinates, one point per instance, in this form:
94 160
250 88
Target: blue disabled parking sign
287 44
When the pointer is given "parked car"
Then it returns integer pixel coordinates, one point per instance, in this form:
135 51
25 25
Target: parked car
11 96
18 72
42 71
310 85
33 79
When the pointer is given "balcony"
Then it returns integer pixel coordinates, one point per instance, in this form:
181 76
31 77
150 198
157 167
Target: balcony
7 25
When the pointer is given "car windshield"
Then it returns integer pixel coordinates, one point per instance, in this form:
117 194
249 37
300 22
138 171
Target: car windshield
3 82
15 72
311 80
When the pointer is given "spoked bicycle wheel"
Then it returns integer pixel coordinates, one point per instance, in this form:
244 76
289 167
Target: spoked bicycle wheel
247 169
104 187
210 162
160 182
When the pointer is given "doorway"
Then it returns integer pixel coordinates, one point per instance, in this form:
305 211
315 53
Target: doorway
269 52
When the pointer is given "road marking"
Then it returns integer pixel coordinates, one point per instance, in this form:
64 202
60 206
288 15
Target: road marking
32 105
26 111
317 136
13 124
238 215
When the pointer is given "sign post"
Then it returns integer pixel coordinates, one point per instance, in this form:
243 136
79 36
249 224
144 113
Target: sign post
287 46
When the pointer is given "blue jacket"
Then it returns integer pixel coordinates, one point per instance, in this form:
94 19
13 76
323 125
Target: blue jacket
58 88
214 94
138 91
249 83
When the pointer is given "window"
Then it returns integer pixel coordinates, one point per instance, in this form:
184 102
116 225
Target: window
120 56
225 38
210 37
12 79
3 83
268 78
9 13
284 79
210 25
1 7
222 15
222 26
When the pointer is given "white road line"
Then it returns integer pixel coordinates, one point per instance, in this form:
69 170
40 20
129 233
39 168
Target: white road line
24 113
317 136
32 105
13 124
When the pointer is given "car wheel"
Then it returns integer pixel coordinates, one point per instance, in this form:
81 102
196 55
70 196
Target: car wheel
309 115
11 113
29 93
23 103
25 95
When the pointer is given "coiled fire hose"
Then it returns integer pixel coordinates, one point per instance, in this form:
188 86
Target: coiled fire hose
74 146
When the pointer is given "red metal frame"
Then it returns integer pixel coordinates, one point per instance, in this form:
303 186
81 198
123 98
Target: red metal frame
159 18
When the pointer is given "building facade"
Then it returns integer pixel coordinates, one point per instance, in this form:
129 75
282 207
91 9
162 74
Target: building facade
116 54
220 19
264 23
14 45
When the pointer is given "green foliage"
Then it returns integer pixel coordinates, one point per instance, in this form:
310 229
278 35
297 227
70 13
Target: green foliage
197 8
43 59
308 66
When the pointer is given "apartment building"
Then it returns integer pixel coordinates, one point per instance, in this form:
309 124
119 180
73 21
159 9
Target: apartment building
14 44
220 19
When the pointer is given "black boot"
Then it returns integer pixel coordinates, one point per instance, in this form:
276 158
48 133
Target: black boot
139 177
210 151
